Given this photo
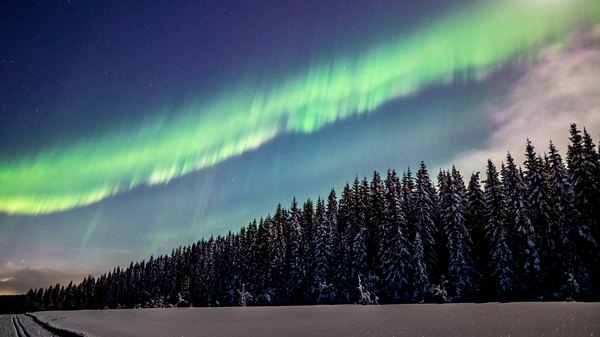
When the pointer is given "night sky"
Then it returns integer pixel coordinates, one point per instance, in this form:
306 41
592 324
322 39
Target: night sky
131 128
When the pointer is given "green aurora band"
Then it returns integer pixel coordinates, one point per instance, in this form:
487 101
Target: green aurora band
470 44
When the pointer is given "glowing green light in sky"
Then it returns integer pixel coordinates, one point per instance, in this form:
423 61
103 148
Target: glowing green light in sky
473 42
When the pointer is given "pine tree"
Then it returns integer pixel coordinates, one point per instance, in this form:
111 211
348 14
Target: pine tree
543 218
459 237
425 216
585 186
421 286
576 240
279 250
475 220
395 251
308 224
591 195
322 286
296 290
359 264
335 244
407 200
519 220
264 260
497 233
379 226
346 235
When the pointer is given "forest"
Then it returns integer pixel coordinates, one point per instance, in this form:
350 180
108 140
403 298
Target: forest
513 233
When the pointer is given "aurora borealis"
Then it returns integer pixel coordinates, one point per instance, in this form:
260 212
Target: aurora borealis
162 169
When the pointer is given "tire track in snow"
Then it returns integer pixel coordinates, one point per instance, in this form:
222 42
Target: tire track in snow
21 332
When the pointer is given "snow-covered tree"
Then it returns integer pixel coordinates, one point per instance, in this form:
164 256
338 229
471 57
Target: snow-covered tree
296 259
378 226
278 252
576 239
346 236
335 245
421 286
475 220
395 251
365 297
322 285
425 212
245 297
543 218
497 233
460 266
359 264
519 220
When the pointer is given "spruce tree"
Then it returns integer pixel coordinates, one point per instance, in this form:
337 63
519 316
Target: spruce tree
359 264
475 220
576 240
421 285
519 220
585 186
379 226
543 218
296 290
407 200
425 213
278 264
395 251
590 195
346 235
460 267
322 286
335 244
497 234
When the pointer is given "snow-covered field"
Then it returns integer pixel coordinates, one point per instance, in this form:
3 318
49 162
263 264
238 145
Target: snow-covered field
489 319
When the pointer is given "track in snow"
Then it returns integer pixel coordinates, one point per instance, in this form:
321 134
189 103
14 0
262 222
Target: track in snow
19 329
23 326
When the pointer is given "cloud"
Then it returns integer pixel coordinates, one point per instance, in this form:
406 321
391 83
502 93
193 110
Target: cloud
560 89
16 279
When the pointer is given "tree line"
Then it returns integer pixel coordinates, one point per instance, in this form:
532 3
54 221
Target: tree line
529 233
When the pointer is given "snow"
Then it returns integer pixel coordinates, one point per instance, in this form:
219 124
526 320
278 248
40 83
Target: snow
488 319
25 325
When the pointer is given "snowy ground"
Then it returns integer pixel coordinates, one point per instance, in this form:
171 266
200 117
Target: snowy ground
22 326
489 319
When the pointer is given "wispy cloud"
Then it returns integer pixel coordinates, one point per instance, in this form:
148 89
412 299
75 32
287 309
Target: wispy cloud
562 88
15 279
